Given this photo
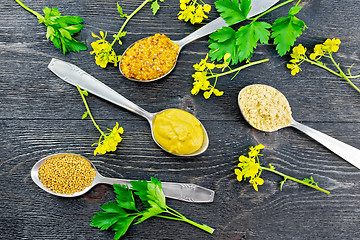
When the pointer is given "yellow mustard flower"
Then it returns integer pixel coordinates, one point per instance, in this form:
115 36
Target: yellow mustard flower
294 68
104 53
256 181
192 11
298 53
331 45
318 52
110 140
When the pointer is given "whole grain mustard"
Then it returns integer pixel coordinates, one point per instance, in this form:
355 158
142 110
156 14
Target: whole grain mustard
149 58
66 173
178 131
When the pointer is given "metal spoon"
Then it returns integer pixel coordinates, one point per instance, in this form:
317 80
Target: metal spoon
180 191
77 77
257 7
343 150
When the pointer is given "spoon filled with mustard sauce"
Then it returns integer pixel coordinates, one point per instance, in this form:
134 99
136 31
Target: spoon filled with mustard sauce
72 175
152 58
267 109
175 131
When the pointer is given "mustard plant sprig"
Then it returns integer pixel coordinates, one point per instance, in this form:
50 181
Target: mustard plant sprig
103 50
249 168
108 141
60 29
204 72
193 11
326 50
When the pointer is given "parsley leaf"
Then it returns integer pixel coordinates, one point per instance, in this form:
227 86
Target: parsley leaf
248 36
221 42
286 30
155 6
233 11
121 214
241 43
60 28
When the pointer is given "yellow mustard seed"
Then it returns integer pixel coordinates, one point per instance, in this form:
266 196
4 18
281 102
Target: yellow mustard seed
66 173
149 58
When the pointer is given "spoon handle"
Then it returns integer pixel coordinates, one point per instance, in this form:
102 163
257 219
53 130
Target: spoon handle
343 150
78 77
203 31
180 191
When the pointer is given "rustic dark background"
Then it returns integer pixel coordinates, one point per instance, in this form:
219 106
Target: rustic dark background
40 114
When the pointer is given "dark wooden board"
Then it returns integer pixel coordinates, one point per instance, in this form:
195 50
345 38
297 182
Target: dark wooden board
40 115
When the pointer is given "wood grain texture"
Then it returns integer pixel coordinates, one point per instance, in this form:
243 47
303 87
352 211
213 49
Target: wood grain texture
40 115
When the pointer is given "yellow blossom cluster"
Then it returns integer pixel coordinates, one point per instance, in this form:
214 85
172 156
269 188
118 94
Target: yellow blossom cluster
193 11
104 53
108 141
249 167
203 73
298 54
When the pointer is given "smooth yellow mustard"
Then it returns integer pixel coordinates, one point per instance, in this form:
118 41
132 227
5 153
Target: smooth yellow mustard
178 131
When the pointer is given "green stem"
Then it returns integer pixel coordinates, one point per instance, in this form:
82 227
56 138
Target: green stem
239 68
38 15
322 66
342 74
180 217
88 110
272 9
294 179
356 76
128 19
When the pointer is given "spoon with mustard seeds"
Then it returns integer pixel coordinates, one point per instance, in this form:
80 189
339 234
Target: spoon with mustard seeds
267 109
55 175
175 131
152 58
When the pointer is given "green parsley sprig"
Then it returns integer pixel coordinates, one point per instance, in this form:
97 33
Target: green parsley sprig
108 141
60 29
121 214
326 50
103 50
249 167
241 43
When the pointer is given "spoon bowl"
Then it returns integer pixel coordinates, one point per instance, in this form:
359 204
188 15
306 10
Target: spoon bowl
180 191
343 150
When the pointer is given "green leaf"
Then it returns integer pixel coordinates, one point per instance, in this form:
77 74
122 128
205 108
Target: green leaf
124 197
294 10
46 11
121 11
285 31
221 42
113 207
65 33
232 11
85 115
104 220
150 212
156 192
247 37
122 225
55 12
155 7
50 32
74 28
71 19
